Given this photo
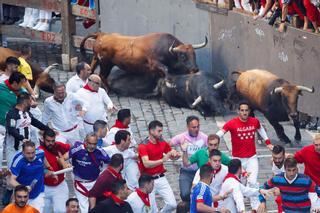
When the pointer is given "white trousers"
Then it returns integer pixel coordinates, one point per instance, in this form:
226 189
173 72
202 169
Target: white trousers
70 137
37 202
131 174
251 165
83 200
2 136
162 187
34 132
56 197
87 128
10 153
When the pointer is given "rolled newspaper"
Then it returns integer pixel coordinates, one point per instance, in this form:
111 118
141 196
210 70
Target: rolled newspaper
63 171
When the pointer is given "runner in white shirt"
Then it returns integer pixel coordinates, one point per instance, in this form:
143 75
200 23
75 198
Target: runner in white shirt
61 110
235 200
123 122
219 173
95 101
139 199
130 170
76 82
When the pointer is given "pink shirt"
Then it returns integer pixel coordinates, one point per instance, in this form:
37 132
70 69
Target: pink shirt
195 143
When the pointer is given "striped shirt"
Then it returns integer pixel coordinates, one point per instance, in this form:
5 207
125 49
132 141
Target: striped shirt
295 195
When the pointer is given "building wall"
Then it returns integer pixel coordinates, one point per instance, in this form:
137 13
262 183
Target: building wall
178 17
236 41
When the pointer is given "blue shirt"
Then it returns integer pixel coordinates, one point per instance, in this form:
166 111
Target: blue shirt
201 194
30 173
86 165
100 143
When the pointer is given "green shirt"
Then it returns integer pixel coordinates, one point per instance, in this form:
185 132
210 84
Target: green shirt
201 157
8 99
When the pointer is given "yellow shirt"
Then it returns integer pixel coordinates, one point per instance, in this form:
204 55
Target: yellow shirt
12 208
25 69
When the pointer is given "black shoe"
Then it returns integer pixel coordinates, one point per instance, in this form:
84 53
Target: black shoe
10 21
6 18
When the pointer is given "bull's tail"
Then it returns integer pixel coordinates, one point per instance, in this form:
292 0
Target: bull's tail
82 49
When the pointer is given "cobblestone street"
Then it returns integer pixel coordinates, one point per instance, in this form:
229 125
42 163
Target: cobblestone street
144 111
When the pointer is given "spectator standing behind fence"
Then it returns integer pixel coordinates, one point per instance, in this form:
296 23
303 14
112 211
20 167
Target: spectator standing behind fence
21 198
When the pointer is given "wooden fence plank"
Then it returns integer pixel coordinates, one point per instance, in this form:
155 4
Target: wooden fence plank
15 31
82 11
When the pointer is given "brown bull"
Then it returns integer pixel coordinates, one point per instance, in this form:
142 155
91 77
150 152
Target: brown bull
155 53
276 98
41 78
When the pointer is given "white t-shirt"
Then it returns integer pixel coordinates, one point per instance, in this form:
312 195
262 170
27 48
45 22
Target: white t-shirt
217 180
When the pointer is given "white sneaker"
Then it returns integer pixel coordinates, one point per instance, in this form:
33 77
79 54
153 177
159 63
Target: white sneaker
44 27
31 23
37 25
24 23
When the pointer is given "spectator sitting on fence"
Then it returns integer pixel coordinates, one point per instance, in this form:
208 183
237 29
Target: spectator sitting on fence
36 19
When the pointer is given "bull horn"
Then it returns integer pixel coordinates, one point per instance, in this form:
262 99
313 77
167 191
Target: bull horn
218 85
51 67
169 85
171 48
36 91
277 90
198 46
307 89
196 102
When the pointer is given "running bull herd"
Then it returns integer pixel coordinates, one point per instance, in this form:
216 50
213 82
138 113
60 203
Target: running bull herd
158 64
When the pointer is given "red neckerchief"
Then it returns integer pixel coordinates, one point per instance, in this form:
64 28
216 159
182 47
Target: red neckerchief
10 87
114 173
87 87
120 125
144 197
229 175
114 197
215 171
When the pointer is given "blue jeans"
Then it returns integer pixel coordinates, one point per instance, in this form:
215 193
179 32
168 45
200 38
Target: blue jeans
185 183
